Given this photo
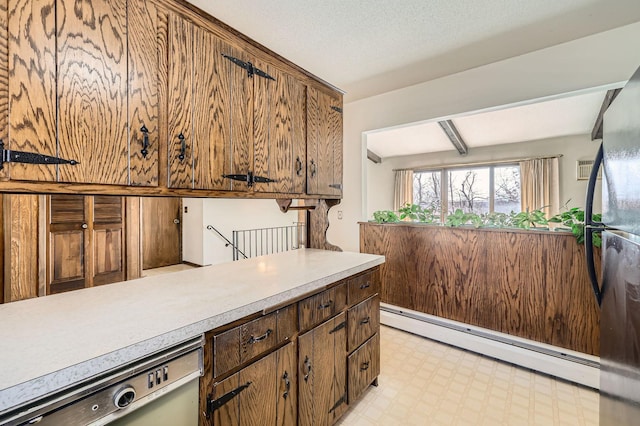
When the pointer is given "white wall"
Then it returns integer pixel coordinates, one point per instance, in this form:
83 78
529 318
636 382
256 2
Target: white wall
580 147
226 215
602 59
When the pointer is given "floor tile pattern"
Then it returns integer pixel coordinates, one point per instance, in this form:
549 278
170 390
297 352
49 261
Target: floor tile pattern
424 382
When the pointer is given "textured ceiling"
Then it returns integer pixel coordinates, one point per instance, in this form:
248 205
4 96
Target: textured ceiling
373 46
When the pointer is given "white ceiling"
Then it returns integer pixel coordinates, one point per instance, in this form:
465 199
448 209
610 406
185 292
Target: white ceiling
373 46
573 115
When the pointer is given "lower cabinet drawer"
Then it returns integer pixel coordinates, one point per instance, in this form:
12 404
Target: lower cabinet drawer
363 320
317 308
364 367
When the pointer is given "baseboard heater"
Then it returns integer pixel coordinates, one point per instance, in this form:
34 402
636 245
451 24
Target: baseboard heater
569 365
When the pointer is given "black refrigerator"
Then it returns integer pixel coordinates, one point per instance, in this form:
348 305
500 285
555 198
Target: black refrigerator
619 292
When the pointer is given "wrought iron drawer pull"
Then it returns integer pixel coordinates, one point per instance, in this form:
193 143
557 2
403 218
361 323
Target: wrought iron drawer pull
183 146
253 340
364 366
287 385
145 141
298 166
325 305
363 286
306 366
365 321
314 168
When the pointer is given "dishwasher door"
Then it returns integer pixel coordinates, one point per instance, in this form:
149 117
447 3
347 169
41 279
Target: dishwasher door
177 408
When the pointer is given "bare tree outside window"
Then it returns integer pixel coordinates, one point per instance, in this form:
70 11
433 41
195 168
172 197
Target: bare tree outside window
427 190
469 190
507 189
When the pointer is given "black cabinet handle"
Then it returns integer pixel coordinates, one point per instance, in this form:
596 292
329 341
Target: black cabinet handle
365 321
145 141
365 285
253 340
183 146
287 385
325 305
306 368
364 366
314 168
298 166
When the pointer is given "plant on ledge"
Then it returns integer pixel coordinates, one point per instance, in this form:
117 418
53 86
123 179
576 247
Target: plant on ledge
528 220
574 219
385 216
460 218
417 213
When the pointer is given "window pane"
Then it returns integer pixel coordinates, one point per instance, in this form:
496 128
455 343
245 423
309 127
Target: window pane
426 190
507 189
469 190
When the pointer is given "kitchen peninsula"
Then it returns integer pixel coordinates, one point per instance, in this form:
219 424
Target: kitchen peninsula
54 342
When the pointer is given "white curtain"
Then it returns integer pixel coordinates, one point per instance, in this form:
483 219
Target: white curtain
540 184
403 192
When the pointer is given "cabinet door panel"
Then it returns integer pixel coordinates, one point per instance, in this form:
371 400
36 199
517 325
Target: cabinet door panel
335 140
279 131
257 402
212 109
92 90
325 145
32 85
143 91
180 69
313 121
241 120
286 403
229 413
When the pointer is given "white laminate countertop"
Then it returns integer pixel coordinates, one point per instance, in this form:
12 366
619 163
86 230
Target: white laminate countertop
50 343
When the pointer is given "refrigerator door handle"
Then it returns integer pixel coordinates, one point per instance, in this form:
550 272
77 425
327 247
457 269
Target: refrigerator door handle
590 226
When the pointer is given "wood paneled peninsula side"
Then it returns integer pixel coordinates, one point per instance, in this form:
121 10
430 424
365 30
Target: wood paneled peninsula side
48 344
530 284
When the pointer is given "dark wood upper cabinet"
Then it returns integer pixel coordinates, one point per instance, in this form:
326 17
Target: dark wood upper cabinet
154 94
324 144
81 86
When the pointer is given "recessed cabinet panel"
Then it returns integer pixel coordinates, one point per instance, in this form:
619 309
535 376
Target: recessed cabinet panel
108 251
364 367
92 90
67 247
144 129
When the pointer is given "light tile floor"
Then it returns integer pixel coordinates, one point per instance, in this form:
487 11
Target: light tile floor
166 269
423 382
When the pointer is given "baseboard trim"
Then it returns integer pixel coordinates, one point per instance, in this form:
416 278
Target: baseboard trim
569 365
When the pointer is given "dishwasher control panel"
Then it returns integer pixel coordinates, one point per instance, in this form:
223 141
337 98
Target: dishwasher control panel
108 398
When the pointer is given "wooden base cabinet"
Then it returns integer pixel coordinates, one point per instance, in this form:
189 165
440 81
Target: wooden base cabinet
302 364
322 371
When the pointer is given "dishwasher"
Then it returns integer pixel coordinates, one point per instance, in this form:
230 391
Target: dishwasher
161 389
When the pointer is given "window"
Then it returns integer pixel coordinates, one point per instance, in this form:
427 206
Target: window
478 190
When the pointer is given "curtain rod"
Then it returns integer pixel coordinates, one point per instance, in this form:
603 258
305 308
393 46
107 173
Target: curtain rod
480 163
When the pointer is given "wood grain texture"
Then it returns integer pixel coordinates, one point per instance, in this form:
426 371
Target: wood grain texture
363 321
242 110
287 385
180 98
318 223
4 83
258 401
163 97
335 123
313 123
20 216
107 240
161 237
278 131
364 367
133 238
32 85
143 69
528 284
92 90
212 112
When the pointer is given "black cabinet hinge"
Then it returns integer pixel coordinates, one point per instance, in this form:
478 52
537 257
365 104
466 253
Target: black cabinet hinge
336 186
340 326
214 404
251 69
9 156
336 109
342 400
249 179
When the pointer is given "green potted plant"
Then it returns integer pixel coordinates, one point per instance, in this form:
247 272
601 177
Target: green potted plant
385 216
573 219
529 219
417 213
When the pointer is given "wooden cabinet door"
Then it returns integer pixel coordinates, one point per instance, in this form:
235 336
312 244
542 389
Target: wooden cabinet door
322 373
324 144
68 243
279 131
107 242
261 394
161 232
81 87
85 241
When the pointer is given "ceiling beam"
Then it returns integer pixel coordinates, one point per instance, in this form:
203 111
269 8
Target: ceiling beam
374 157
452 133
596 133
